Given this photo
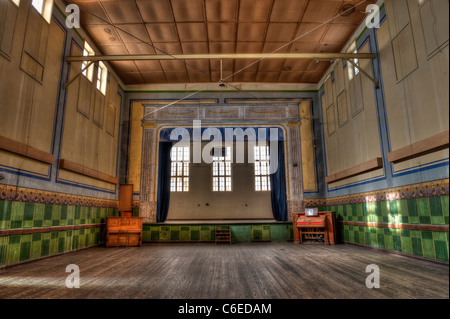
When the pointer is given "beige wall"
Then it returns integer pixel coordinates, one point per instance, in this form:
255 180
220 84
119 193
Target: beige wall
350 121
415 83
91 127
30 72
415 77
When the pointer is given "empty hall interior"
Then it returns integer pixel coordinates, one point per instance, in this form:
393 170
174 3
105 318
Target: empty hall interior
224 149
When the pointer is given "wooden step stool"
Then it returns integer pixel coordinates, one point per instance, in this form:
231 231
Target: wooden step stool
223 234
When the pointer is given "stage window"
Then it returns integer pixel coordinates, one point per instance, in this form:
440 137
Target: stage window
222 169
262 177
179 181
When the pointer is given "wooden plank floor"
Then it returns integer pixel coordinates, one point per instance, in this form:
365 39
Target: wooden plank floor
242 271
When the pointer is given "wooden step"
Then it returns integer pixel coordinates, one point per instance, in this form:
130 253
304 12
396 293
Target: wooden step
223 235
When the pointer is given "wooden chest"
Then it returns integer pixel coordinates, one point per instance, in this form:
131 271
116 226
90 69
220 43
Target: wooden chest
123 231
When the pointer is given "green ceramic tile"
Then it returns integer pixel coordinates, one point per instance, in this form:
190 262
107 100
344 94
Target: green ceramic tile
441 250
3 250
185 234
387 231
25 248
435 206
415 234
195 234
373 240
380 240
347 236
378 208
389 242
174 234
367 239
428 248
413 219
164 233
13 253
407 245
5 214
17 212
359 210
417 246
356 237
38 218
362 238
28 215
423 205
394 207
241 233
278 233
397 243
445 207
406 233
412 207
154 235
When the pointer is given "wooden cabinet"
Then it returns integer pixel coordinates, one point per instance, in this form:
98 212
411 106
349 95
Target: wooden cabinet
123 231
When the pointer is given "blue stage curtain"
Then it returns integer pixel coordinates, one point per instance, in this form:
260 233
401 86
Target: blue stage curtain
278 188
164 163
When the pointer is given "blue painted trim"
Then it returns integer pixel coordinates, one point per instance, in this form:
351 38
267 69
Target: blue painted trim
21 172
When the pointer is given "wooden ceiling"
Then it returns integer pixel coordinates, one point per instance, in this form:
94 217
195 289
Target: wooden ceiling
124 27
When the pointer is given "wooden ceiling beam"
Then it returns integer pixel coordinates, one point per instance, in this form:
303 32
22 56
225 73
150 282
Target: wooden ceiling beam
147 57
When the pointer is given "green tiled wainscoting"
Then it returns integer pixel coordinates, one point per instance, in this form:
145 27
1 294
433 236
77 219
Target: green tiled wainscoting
416 212
41 224
240 233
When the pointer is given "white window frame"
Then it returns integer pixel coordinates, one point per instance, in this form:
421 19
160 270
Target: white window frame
353 70
102 77
44 7
222 174
262 168
89 72
179 169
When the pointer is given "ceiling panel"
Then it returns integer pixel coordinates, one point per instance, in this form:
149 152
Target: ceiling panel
123 27
132 33
288 11
254 10
281 32
221 31
193 31
188 11
163 32
122 11
154 11
251 32
221 11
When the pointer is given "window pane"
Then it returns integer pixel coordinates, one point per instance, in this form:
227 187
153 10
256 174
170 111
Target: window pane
39 5
228 169
186 169
221 184
215 184
257 183
228 185
186 184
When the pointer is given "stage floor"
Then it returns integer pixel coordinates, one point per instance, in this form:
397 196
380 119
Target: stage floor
237 271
